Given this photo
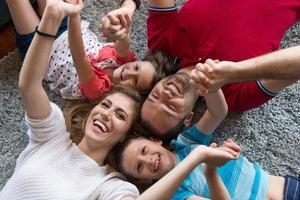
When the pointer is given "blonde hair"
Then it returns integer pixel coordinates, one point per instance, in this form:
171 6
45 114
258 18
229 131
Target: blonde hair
76 112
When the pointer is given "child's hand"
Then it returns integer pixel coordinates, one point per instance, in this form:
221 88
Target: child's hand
115 24
123 33
231 147
211 155
228 146
211 75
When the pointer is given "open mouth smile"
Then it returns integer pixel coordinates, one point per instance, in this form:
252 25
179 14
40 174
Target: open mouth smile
100 126
157 162
123 76
175 87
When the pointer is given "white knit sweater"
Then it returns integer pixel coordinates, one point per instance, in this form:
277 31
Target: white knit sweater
52 167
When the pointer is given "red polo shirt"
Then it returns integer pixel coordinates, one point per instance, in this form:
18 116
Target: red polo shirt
231 30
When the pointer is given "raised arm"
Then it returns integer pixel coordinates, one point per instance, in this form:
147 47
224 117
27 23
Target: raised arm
167 185
122 36
216 107
110 23
281 64
217 189
35 64
83 67
216 111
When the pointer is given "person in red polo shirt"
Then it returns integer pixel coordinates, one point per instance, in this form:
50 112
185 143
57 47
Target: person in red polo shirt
223 30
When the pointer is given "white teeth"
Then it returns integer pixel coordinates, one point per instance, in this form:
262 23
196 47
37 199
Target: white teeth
122 74
157 163
101 126
174 87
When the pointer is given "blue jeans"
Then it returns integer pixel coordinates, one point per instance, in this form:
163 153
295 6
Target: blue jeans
292 188
23 41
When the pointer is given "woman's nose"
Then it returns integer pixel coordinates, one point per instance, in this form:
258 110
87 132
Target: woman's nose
106 115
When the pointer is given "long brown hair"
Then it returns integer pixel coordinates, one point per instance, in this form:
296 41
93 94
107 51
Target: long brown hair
76 112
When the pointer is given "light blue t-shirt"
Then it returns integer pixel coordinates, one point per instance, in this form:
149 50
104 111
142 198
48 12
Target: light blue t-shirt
243 179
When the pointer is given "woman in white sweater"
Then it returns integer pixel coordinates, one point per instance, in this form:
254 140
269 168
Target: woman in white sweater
51 166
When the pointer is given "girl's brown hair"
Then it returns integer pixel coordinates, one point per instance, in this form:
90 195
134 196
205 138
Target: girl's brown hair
163 63
76 112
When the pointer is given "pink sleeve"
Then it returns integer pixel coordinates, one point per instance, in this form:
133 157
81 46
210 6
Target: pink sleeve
109 52
95 87
129 58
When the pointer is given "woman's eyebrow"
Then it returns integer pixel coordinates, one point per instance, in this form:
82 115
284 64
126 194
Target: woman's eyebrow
108 101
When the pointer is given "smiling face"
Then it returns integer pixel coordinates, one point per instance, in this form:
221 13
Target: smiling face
137 75
169 103
147 160
110 120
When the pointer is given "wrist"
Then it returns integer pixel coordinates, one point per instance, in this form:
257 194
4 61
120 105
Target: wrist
75 16
198 155
210 170
53 12
130 4
124 40
50 21
238 71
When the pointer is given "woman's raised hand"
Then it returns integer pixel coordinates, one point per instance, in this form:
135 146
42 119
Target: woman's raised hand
65 7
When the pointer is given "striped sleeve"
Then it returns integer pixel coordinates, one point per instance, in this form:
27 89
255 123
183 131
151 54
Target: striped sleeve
194 136
162 9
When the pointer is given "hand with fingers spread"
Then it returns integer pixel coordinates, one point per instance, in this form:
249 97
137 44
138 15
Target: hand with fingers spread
212 156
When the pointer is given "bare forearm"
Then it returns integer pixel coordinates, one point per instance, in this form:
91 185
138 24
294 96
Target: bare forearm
35 66
216 104
123 46
282 64
130 5
83 68
215 113
217 189
167 185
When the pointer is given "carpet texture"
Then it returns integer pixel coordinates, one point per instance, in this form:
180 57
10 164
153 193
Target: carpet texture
269 135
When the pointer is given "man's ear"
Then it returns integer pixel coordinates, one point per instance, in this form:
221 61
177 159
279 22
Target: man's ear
188 119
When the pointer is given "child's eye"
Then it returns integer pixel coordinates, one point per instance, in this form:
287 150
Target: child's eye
120 116
143 150
136 67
